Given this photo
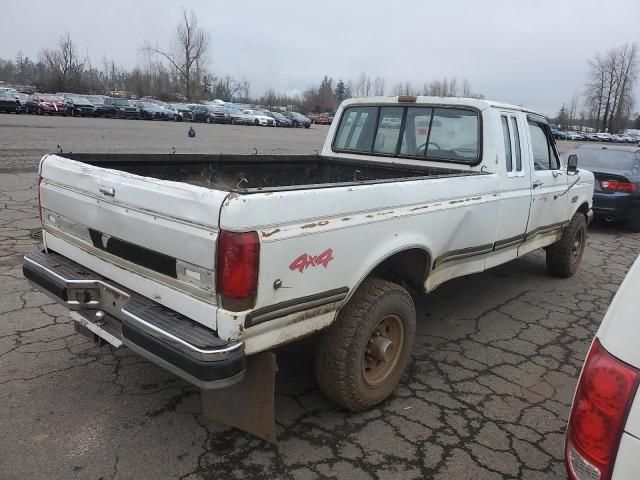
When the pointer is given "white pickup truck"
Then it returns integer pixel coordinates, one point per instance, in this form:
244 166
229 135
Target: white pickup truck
198 262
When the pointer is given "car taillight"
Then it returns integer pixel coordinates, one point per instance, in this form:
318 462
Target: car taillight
617 185
237 269
604 395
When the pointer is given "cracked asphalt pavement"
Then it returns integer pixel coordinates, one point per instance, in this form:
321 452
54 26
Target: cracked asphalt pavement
486 395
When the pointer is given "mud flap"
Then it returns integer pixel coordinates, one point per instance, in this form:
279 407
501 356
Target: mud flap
249 404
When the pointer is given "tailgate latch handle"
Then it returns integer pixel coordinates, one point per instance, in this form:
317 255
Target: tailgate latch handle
107 190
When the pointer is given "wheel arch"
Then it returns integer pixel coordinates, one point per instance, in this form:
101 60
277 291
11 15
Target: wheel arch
408 266
583 209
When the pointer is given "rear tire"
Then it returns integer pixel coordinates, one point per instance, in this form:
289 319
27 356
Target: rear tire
360 359
256 122
563 257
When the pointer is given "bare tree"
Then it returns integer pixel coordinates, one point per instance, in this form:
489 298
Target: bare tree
466 89
188 52
64 64
378 86
609 89
244 89
404 88
573 110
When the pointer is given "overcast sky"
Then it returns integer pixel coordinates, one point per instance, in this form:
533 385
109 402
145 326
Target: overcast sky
527 52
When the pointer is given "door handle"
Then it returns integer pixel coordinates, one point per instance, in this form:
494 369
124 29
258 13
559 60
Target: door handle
107 190
538 183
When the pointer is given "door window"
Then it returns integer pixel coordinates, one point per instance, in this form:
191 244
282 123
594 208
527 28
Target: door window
544 155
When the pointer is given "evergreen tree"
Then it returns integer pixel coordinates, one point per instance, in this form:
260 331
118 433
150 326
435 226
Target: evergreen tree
341 91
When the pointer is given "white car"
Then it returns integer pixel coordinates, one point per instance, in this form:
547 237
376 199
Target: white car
603 434
259 118
604 137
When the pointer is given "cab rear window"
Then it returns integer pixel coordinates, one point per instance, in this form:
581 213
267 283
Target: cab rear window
430 133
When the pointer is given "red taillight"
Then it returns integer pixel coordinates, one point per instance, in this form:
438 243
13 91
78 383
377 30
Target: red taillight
604 395
617 185
237 269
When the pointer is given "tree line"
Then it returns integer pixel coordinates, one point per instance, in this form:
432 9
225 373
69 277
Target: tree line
179 71
607 102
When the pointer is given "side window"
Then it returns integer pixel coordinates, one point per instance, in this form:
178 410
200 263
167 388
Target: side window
357 128
507 143
543 154
518 151
388 131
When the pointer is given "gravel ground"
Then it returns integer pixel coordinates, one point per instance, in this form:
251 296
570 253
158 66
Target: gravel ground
486 395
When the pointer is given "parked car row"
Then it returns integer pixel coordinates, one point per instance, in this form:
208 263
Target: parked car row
595 137
73 104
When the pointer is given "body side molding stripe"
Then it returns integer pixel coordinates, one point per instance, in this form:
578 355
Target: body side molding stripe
294 306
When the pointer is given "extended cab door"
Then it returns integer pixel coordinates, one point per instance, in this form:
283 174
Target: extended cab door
515 187
549 204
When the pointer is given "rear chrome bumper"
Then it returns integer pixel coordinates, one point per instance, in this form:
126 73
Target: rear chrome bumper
121 316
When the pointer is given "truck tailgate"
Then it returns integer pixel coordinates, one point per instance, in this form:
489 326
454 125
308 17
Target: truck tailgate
166 230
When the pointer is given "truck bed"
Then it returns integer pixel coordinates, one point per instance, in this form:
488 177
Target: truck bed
262 173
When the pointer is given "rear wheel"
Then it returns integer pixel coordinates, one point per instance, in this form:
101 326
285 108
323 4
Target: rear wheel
256 122
361 357
563 257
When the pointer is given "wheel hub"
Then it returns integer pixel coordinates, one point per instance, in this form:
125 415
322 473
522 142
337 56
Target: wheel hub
577 246
383 350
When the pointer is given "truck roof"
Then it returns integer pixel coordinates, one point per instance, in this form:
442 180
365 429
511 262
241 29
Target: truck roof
480 104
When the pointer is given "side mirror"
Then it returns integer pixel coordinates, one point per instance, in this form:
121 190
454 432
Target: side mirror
572 164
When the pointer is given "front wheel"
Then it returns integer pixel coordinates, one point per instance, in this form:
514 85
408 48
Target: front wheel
563 257
295 124
360 359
